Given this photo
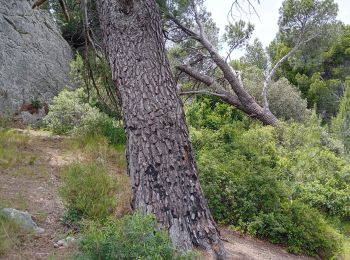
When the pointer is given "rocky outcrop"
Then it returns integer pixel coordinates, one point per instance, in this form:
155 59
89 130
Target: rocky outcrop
34 58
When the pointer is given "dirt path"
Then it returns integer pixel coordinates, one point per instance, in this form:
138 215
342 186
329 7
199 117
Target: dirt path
33 187
247 248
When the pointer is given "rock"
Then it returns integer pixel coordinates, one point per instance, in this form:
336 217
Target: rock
62 242
55 245
24 219
34 59
65 242
28 118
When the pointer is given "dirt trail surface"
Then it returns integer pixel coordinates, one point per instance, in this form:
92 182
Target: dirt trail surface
247 248
34 187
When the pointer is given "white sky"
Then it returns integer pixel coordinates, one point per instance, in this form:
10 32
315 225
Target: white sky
266 27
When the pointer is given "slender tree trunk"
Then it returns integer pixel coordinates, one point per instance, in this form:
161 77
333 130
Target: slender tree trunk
159 154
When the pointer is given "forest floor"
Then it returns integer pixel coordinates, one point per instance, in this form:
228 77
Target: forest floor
31 184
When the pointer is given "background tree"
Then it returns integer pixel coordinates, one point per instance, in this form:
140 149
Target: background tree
193 23
341 123
316 68
255 56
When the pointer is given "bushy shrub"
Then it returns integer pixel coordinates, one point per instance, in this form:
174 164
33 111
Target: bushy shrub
209 113
132 237
300 227
70 113
98 123
88 192
285 99
66 111
267 180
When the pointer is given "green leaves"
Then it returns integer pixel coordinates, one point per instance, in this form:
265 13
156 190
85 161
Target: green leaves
276 183
88 190
238 33
341 123
132 237
304 19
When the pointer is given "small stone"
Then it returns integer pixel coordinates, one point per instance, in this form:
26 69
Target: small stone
55 245
39 230
61 242
70 240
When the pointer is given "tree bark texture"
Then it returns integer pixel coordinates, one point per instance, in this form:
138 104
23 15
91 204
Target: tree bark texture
159 154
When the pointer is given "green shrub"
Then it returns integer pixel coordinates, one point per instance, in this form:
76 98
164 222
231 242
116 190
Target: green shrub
72 217
88 192
70 113
300 227
96 123
247 191
209 113
132 237
249 174
66 111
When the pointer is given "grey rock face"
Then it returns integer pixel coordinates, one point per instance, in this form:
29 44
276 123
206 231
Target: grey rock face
34 58
24 219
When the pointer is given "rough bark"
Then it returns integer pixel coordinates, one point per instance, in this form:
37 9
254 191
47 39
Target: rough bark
159 154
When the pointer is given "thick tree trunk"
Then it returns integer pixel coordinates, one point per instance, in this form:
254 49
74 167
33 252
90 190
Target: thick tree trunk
159 154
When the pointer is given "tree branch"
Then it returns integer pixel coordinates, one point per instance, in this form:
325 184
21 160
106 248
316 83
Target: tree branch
210 82
38 3
243 101
185 29
83 5
64 9
273 72
201 92
196 74
230 75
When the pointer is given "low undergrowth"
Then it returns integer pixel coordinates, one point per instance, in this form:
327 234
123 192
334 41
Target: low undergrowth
71 114
278 183
88 191
132 237
11 149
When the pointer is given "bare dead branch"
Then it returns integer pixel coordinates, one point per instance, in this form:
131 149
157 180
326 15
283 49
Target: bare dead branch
237 6
272 73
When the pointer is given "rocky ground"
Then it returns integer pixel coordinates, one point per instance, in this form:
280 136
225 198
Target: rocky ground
33 186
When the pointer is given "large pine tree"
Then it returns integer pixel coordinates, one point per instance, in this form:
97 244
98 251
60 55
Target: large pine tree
159 154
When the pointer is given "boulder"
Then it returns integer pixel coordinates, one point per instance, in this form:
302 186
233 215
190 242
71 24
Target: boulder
34 58
24 219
